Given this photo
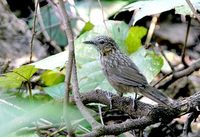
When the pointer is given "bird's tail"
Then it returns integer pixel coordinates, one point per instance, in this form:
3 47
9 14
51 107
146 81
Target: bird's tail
156 96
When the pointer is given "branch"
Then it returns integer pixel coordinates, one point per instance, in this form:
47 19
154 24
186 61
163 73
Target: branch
104 21
44 32
145 114
193 10
190 118
79 102
71 67
179 74
33 30
116 129
185 43
151 28
122 103
69 34
163 54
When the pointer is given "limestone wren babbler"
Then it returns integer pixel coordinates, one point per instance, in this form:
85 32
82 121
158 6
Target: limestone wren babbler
122 73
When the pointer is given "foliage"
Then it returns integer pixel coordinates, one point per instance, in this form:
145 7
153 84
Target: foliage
151 7
48 91
19 75
89 70
50 78
133 40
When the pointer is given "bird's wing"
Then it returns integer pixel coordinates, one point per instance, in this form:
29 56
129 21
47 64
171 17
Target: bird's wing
128 75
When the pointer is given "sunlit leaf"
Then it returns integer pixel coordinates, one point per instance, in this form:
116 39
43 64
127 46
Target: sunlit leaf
52 62
148 63
14 79
90 75
88 26
26 71
151 7
18 114
186 10
133 40
57 91
50 77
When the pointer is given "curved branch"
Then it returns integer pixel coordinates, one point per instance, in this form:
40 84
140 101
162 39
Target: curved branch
116 129
144 116
71 70
179 74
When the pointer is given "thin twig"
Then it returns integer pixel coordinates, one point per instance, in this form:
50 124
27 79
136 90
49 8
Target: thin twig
193 10
57 131
11 105
5 66
44 32
27 84
71 70
151 28
132 19
78 101
185 43
69 34
33 30
47 27
162 79
100 114
179 74
163 54
144 116
43 127
187 123
104 21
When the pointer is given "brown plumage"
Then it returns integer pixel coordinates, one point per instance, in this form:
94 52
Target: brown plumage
122 73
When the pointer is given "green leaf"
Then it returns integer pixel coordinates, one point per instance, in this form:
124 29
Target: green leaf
152 7
16 115
14 79
185 9
26 72
57 91
90 75
52 62
50 77
10 81
53 29
88 26
133 40
148 63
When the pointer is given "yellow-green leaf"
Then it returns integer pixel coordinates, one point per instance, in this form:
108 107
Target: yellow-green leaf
88 26
50 77
14 79
133 40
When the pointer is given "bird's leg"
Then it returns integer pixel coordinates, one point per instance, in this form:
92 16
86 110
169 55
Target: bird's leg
120 94
108 95
134 102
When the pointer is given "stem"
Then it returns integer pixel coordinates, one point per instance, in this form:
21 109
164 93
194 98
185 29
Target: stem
185 43
69 34
33 30
193 10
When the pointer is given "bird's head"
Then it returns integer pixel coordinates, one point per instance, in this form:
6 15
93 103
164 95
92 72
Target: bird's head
103 44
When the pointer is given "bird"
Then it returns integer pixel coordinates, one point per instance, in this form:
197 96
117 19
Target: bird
121 72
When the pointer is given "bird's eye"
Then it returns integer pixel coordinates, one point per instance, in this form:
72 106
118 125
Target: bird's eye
101 42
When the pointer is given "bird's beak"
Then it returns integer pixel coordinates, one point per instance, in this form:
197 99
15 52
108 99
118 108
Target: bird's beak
89 42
